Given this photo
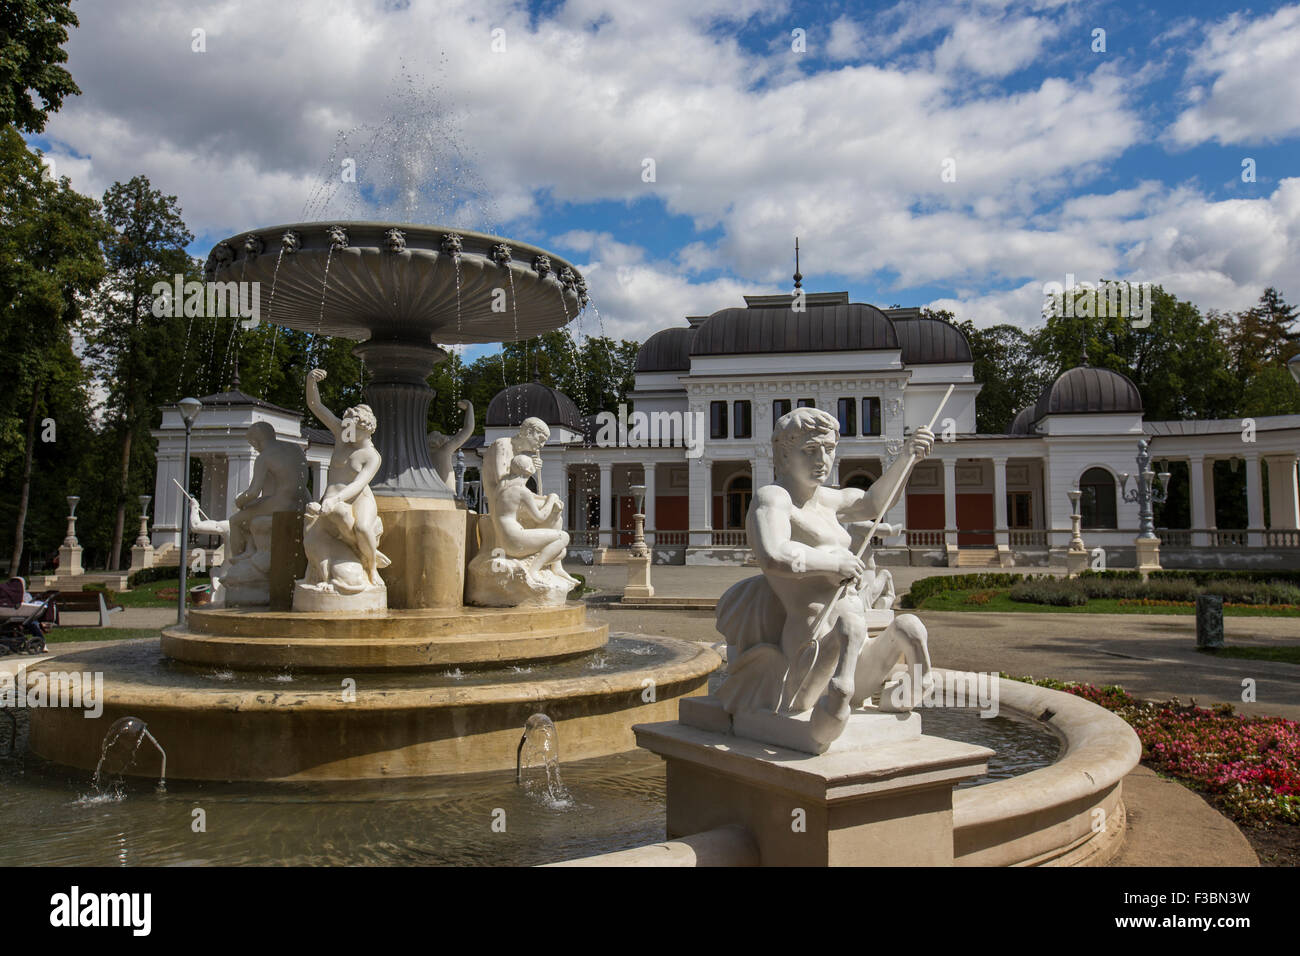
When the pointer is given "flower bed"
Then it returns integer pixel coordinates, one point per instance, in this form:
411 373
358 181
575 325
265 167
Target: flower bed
1251 765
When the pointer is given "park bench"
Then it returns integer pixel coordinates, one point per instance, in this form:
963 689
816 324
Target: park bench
86 602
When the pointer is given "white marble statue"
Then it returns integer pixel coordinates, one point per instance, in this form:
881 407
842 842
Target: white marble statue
786 684
279 483
522 536
342 530
443 448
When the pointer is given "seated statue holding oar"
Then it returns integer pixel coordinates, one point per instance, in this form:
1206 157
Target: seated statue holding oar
801 656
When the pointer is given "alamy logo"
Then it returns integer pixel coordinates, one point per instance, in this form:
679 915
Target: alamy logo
74 909
208 300
651 430
84 691
1130 300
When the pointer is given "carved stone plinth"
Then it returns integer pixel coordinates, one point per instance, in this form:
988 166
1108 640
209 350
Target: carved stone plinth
69 561
884 804
638 577
1076 562
1148 555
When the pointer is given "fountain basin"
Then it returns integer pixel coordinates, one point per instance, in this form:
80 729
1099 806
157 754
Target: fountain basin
255 638
249 726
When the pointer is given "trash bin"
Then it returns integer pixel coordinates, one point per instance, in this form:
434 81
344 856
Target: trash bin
1209 620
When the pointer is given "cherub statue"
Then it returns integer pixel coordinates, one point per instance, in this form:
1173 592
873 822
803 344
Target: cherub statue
529 525
805 685
342 530
443 448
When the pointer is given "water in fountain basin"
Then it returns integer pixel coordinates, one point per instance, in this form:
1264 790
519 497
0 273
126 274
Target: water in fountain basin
117 755
539 749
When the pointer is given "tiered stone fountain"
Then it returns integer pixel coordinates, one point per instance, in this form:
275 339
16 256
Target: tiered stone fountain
427 686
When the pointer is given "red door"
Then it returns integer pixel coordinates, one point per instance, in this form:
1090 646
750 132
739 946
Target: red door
975 511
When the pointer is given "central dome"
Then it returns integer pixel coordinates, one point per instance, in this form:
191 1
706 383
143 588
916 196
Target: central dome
1089 391
842 327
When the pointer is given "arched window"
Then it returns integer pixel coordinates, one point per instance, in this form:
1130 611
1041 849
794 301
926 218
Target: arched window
739 492
861 480
1098 502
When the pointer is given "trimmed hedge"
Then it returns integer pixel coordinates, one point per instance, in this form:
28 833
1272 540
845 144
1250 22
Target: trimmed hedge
146 575
1056 593
990 580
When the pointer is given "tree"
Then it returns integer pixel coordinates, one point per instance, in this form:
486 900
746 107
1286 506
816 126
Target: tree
50 261
137 354
1006 365
1177 361
32 34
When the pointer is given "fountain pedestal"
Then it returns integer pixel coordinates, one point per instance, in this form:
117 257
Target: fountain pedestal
425 539
881 804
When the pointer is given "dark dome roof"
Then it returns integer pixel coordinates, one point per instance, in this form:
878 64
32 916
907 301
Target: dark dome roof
1021 424
821 328
668 350
927 341
510 406
1088 390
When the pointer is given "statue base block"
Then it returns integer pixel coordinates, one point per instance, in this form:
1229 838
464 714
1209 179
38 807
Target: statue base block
307 598
866 727
882 804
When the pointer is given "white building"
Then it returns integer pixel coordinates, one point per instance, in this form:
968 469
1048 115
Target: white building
997 499
978 500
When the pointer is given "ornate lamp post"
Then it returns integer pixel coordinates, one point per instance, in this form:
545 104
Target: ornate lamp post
189 409
1146 494
638 562
1076 558
70 550
142 553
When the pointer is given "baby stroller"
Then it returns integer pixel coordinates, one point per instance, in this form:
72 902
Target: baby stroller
16 626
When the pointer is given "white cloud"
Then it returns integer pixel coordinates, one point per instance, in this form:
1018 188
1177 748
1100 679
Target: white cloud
1253 94
849 159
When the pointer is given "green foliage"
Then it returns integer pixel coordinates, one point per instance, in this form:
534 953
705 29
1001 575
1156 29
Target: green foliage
32 34
1055 592
1009 367
925 587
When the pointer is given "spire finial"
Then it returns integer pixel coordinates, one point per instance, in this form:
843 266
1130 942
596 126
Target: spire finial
798 279
234 377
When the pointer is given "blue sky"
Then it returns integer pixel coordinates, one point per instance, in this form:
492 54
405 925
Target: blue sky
1121 163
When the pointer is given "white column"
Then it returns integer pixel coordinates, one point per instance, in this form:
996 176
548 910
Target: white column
608 520
1001 536
762 473
649 482
1196 475
167 501
950 501
1283 505
835 474
1254 501
700 479
322 478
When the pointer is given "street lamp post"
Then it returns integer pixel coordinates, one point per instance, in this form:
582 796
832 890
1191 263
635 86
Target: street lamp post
1076 558
189 409
1146 494
638 561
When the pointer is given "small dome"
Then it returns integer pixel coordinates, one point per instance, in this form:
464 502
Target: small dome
1089 391
846 327
668 350
1022 424
510 406
927 341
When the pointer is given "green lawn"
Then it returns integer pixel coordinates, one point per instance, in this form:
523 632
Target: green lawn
1002 603
1287 654
68 635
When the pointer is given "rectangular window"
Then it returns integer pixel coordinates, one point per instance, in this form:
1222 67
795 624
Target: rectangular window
871 416
807 403
780 406
744 419
847 412
717 419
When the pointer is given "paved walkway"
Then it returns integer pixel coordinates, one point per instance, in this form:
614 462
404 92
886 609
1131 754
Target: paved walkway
1151 656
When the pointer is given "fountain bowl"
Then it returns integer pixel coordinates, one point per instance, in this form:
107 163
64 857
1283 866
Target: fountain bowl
400 282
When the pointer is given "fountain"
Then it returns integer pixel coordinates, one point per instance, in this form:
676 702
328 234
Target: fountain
410 682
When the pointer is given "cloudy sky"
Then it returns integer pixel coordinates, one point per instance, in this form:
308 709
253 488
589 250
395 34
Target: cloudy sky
954 155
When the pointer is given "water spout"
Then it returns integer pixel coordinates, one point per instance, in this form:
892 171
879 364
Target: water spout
540 745
129 733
